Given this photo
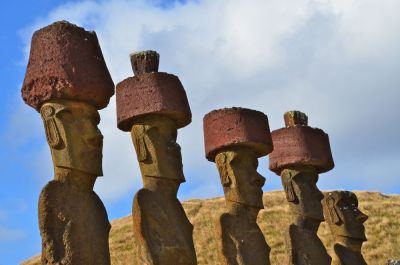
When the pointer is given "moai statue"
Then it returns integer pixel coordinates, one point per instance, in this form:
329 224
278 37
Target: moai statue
153 106
67 81
234 139
346 222
300 154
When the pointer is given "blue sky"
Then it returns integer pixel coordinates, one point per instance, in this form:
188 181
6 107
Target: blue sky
337 61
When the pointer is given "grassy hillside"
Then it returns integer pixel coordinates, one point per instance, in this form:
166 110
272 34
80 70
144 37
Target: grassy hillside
382 228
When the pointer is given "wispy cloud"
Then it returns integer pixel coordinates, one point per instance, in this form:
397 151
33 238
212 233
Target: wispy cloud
335 60
10 234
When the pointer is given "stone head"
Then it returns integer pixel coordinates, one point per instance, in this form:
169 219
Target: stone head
343 216
73 136
159 156
301 191
241 182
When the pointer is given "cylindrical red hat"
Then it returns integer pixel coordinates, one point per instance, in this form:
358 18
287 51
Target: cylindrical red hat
66 62
236 127
151 92
300 145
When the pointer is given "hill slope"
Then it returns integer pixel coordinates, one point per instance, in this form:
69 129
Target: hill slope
382 228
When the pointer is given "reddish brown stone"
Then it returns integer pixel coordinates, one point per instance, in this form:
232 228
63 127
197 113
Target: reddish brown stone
151 93
145 62
66 62
236 127
300 145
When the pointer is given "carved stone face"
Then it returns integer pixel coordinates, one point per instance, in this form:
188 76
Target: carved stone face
72 134
154 138
302 191
343 216
239 177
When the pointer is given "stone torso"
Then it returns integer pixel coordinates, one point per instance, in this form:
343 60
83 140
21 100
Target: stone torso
305 248
346 256
162 231
243 242
74 226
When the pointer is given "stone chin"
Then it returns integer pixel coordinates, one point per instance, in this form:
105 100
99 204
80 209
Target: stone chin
250 200
357 233
305 212
89 162
151 170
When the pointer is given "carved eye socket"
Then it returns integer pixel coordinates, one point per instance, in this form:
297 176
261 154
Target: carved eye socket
65 115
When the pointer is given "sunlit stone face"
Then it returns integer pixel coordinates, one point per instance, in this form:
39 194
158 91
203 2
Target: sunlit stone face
301 188
73 136
240 179
159 155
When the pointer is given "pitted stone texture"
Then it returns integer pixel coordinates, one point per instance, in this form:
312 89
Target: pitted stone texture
145 62
295 117
242 241
152 93
162 231
300 146
74 226
305 248
66 62
236 127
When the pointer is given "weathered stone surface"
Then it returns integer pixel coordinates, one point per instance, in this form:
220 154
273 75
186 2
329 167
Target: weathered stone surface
304 199
300 146
346 223
305 247
145 62
152 106
241 240
235 138
236 127
73 225
72 219
66 62
73 136
300 153
151 93
163 234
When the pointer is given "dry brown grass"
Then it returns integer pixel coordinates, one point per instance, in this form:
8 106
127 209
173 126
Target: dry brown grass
382 227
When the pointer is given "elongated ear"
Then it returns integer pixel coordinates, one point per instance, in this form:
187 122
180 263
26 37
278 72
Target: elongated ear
287 182
50 126
222 166
139 142
332 211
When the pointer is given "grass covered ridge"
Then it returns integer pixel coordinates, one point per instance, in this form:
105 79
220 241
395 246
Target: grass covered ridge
382 229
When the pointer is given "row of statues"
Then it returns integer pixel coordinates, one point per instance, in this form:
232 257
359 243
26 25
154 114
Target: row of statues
67 81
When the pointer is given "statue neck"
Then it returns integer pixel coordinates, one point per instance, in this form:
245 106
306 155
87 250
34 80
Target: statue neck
78 179
242 210
307 223
167 188
350 243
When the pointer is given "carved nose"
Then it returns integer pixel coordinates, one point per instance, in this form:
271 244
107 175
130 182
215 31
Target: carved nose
259 180
174 145
361 217
319 194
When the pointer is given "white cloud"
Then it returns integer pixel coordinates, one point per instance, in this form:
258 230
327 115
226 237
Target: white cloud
335 60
